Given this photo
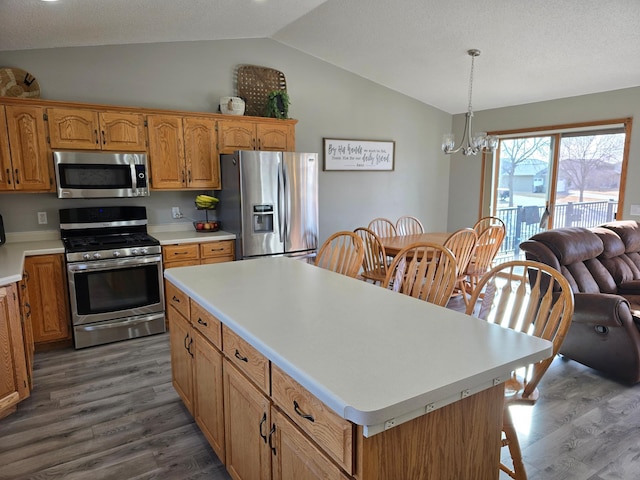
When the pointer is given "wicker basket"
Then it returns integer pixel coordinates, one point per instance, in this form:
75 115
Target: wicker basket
254 85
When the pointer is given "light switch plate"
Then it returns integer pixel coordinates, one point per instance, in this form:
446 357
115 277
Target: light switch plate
42 218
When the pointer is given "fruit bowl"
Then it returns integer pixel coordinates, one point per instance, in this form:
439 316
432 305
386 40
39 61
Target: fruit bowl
210 226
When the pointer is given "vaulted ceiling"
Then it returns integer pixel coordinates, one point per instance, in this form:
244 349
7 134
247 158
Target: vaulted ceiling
531 50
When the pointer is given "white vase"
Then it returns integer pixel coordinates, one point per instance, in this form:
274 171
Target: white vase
232 105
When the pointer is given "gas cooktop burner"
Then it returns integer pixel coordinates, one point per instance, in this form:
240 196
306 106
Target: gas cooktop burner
103 242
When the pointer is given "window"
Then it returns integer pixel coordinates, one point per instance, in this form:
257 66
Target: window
558 177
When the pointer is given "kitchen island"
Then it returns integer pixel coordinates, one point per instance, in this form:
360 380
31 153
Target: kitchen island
421 385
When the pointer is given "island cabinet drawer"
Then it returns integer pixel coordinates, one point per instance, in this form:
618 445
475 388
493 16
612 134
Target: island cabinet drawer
180 253
177 299
248 360
207 324
333 434
223 248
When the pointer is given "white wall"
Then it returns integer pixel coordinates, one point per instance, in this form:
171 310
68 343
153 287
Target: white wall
464 180
327 101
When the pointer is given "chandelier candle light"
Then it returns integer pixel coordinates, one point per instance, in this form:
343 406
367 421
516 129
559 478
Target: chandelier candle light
471 144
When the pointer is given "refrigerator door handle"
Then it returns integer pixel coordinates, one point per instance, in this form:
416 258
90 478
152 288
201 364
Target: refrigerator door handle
281 203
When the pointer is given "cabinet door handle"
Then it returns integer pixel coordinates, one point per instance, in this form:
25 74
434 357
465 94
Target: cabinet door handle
189 175
202 322
306 416
28 313
240 357
8 176
17 178
262 422
186 347
271 432
189 347
95 132
104 140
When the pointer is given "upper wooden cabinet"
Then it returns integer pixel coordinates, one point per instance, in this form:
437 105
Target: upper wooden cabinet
256 135
183 153
24 155
85 129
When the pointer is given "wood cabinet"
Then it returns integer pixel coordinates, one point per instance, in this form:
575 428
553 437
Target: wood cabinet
247 415
256 135
14 373
186 254
196 364
252 429
183 152
47 300
24 155
87 129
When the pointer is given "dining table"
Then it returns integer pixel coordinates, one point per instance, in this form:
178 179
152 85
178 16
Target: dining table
393 245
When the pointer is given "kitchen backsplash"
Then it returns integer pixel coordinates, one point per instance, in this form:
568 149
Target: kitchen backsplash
20 210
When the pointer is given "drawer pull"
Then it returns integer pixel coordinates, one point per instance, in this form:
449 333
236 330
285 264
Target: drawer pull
262 422
306 416
176 299
180 253
271 432
240 357
201 322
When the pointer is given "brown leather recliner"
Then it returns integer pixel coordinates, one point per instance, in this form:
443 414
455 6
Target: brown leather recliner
602 266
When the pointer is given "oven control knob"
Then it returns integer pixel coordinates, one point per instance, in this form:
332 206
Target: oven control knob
144 251
116 254
86 256
134 251
97 255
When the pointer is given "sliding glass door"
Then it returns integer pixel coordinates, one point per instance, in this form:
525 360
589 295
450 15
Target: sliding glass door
562 178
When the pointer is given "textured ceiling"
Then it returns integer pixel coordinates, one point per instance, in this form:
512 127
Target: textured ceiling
531 50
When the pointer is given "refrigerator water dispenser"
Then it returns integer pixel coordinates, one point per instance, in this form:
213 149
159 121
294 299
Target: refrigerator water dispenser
263 219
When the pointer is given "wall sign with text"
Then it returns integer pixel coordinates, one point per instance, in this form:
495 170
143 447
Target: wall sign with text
340 154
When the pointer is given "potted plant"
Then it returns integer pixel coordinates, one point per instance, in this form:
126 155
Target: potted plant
278 104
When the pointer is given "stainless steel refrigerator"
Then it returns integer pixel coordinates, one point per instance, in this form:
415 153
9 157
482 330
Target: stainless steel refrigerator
270 201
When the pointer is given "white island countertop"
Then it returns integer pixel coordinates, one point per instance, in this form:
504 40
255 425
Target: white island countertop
376 357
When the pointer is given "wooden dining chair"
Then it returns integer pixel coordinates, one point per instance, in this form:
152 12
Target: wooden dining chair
462 244
408 225
487 246
423 270
486 222
374 266
383 227
535 299
343 253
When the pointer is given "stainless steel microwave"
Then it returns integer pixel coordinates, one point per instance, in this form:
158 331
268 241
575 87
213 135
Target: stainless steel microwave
100 174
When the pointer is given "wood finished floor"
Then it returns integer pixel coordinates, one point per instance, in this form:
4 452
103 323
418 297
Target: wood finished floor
110 412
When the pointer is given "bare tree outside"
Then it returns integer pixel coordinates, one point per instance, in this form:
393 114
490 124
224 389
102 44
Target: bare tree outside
518 152
591 162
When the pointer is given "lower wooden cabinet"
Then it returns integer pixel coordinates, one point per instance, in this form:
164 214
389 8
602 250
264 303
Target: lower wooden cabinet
247 421
188 254
46 299
15 376
294 456
207 392
196 365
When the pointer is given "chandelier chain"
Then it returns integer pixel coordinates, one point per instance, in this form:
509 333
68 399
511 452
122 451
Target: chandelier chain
471 84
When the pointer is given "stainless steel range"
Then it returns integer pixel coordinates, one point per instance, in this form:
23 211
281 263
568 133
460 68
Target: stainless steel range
114 270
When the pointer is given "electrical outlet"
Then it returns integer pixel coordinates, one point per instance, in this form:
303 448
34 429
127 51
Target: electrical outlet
175 212
42 218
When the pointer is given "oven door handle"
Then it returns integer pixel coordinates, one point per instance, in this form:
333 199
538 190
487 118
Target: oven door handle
110 264
127 322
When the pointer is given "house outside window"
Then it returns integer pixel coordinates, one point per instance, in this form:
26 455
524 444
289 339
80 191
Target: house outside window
562 176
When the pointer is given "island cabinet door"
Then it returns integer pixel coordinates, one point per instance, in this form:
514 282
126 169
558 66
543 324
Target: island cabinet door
208 398
295 456
247 422
182 349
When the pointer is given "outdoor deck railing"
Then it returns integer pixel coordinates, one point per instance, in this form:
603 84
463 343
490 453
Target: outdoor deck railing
523 222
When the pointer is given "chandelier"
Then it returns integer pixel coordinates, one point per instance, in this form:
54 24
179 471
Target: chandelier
471 143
